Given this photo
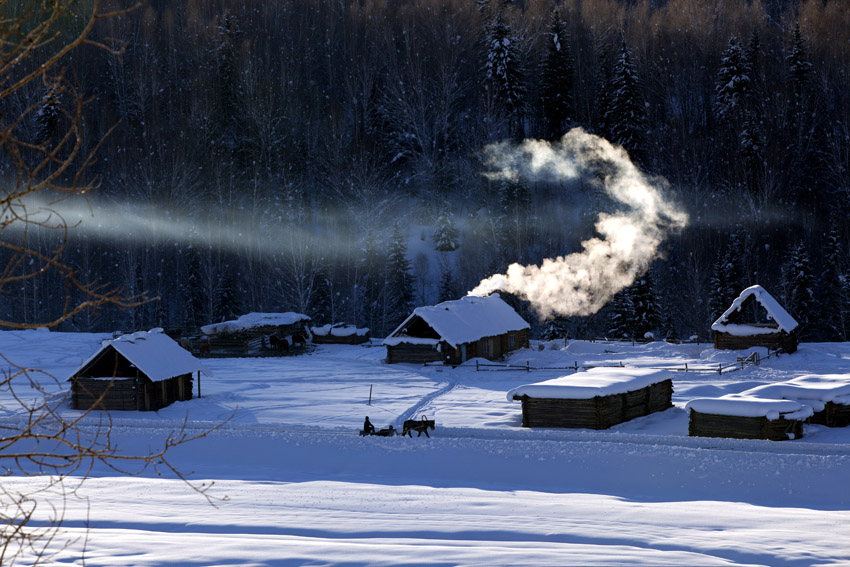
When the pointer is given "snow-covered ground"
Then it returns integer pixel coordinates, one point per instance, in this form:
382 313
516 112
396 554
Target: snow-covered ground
300 487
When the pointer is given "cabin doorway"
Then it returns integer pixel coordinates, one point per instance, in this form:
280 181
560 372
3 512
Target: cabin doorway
463 353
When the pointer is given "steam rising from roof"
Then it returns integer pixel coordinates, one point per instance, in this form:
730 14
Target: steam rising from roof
582 282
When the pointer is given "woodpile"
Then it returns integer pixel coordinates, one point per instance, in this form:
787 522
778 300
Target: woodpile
600 412
832 415
739 427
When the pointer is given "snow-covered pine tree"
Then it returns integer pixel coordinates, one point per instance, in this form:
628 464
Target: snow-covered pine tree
733 82
799 286
799 64
447 290
834 299
602 95
503 72
626 115
399 295
555 328
645 308
47 118
733 266
512 222
556 79
717 293
751 151
446 235
620 324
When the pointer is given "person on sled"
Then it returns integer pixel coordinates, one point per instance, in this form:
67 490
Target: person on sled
368 428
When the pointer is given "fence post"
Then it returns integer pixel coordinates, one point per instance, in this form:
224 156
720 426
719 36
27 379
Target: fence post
686 367
476 366
527 367
720 368
370 394
576 365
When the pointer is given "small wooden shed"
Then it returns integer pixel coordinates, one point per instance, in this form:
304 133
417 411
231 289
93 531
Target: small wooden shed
755 318
339 334
142 371
254 334
827 394
739 416
456 331
596 399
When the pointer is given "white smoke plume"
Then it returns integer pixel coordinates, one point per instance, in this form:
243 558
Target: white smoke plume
582 282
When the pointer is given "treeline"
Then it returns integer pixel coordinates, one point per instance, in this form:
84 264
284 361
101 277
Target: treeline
324 156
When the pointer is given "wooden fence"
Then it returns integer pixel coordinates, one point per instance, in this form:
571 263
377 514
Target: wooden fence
754 359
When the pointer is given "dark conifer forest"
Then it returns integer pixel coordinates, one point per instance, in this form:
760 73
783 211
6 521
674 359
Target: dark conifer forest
325 157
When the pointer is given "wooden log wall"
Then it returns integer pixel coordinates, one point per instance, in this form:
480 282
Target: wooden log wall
785 341
737 427
416 354
118 394
600 412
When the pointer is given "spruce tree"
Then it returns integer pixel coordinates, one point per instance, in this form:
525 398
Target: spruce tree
399 295
626 115
645 318
555 328
446 236
447 290
834 301
556 80
799 286
733 82
47 118
620 324
799 65
503 72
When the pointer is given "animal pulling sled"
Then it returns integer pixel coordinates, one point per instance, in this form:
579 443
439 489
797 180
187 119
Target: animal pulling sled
420 426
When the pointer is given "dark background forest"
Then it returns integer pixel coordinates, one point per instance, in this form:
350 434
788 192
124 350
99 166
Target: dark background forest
324 156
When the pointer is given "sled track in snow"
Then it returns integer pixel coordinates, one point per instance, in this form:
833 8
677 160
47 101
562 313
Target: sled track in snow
581 437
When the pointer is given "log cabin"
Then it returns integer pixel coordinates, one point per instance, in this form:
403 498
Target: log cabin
453 332
143 371
755 318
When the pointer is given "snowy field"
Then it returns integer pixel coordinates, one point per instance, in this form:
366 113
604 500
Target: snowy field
300 487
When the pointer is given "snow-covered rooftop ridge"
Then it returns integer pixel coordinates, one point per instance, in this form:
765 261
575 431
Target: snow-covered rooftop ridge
154 353
594 382
251 320
468 319
740 405
784 321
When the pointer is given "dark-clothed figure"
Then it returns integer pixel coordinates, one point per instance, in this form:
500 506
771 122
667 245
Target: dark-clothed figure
368 428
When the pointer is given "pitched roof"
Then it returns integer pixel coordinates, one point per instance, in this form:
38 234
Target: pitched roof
154 353
251 320
466 320
784 321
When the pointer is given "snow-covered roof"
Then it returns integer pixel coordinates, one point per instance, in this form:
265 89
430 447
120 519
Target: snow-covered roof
594 382
339 331
784 321
467 319
154 353
252 320
812 389
740 405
